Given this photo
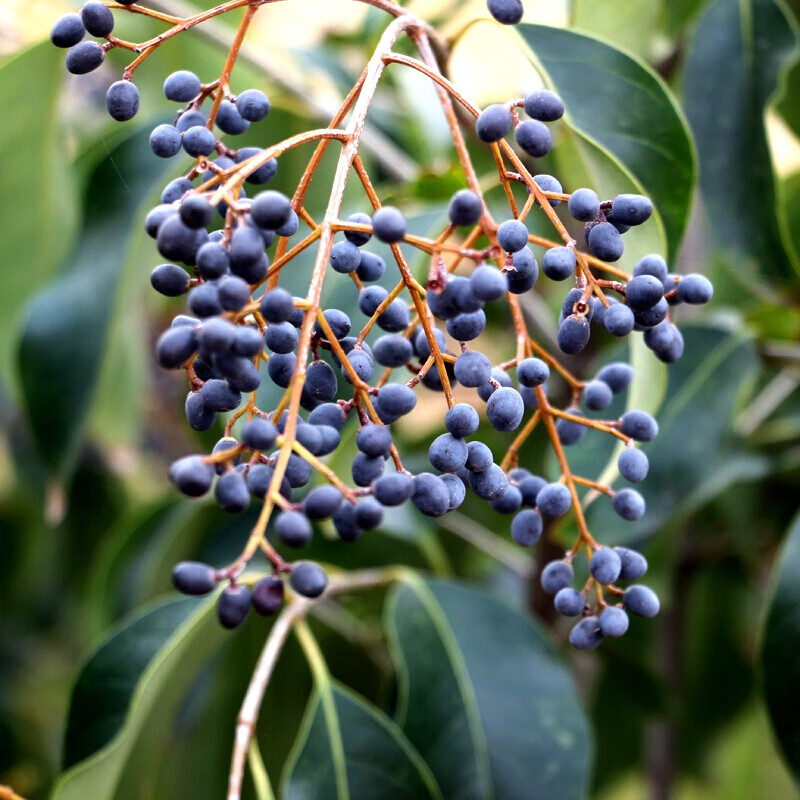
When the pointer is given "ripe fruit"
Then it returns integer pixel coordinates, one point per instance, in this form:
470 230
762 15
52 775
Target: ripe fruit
389 225
493 123
506 12
193 577
233 606
67 31
465 208
308 579
268 595
122 100
544 105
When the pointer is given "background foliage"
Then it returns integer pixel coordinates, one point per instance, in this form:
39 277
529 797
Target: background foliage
696 102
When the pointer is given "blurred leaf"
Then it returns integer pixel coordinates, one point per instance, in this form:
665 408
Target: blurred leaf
717 637
120 685
348 750
67 323
679 13
484 698
619 104
738 55
629 24
780 652
37 184
790 190
121 573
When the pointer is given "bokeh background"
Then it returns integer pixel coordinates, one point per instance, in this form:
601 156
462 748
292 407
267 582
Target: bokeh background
89 528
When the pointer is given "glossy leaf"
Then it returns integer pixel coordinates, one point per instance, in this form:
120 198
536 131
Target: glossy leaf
350 751
119 687
67 323
780 652
736 61
484 698
37 182
620 105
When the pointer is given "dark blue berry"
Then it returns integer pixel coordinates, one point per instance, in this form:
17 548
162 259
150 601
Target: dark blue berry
447 453
641 600
490 484
199 141
68 30
556 576
122 100
605 566
605 242
487 283
506 12
308 579
586 635
639 425
389 225
345 257
643 292
569 602
430 495
629 504
634 564
465 208
534 138
253 105
618 320
631 209
176 346
232 493
633 465
277 305
165 140
544 105
461 420
191 476
268 595
512 235
695 289
233 606
494 123
617 375
597 395
526 527
85 57
573 334
554 500
392 490
181 86
584 205
193 577
370 267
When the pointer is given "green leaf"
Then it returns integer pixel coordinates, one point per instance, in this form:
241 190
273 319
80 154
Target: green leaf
120 686
348 750
736 62
632 25
67 323
38 185
780 651
484 698
618 104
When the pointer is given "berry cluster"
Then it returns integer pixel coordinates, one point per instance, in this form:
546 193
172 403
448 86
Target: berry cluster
226 253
